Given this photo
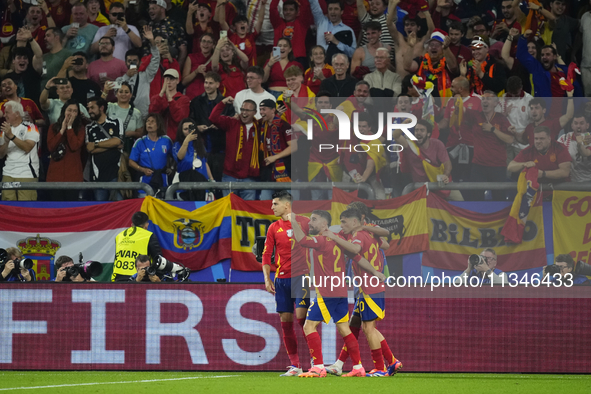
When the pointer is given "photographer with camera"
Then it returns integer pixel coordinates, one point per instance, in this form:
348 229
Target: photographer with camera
568 271
143 273
61 265
130 244
13 268
483 267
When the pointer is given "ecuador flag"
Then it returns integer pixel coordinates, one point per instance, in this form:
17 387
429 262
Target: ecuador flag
196 239
455 233
405 217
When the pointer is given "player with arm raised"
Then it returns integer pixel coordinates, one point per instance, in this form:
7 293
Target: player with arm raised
292 265
371 302
330 302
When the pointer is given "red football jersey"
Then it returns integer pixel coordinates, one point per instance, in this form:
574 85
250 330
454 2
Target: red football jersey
370 250
290 256
329 261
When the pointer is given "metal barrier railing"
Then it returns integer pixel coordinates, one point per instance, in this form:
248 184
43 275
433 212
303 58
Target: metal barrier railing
566 186
77 186
267 186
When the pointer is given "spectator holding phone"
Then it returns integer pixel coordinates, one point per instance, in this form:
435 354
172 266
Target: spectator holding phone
79 34
125 36
95 16
130 118
243 35
319 69
107 67
199 22
83 87
281 59
53 107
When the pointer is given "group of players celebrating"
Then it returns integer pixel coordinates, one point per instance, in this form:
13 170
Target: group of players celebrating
292 238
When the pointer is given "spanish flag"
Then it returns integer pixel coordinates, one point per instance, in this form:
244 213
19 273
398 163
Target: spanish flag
527 187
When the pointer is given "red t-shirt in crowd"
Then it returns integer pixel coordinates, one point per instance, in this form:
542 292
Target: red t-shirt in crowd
246 45
489 150
276 77
61 13
552 124
232 81
461 134
314 83
211 28
435 153
296 30
549 161
195 88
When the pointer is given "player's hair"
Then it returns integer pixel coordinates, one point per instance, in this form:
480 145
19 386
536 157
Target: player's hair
61 261
257 70
536 101
292 71
543 129
566 258
351 213
213 75
139 218
282 195
361 207
324 215
373 25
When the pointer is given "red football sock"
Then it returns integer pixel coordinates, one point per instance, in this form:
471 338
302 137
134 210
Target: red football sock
315 346
353 348
387 353
355 331
301 323
291 343
378 359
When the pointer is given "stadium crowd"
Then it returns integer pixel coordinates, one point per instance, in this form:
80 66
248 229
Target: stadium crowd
170 90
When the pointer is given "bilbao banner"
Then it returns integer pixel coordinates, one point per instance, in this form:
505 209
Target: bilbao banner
571 218
44 234
404 217
234 327
455 233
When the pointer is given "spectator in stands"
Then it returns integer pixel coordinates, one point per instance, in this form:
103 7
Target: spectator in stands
515 106
332 34
19 146
460 141
460 51
276 135
32 113
79 34
141 81
196 65
423 152
26 72
200 110
436 65
276 66
66 135
242 144
319 69
577 143
243 35
545 73
364 55
192 159
129 117
341 84
166 62
57 55
375 13
33 22
83 88
171 31
383 82
229 62
10 273
560 28
125 36
537 111
171 104
59 10
566 263
294 78
483 71
107 67
294 25
586 52
53 107
254 92
411 27
95 16
503 26
103 142
492 133
151 154
482 29
485 270
549 157
198 23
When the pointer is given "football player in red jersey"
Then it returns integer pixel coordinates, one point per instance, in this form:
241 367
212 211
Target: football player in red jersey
330 302
292 266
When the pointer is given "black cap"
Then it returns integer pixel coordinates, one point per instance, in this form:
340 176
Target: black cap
268 103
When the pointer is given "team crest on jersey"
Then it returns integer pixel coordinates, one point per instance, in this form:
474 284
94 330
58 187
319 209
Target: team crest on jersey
290 233
188 233
288 32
